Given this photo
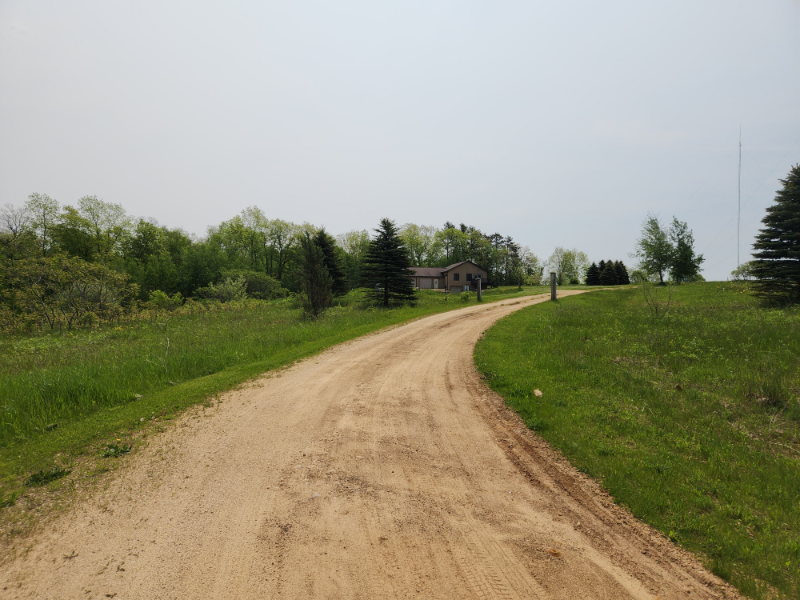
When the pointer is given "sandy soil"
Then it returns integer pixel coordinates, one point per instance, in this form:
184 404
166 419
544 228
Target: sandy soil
382 468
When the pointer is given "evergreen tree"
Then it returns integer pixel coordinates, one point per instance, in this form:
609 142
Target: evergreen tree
602 266
609 274
386 270
685 263
317 283
622 273
777 257
333 261
593 275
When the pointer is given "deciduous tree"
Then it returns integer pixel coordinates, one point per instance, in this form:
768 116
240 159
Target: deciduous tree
653 248
355 245
685 261
568 265
44 215
419 240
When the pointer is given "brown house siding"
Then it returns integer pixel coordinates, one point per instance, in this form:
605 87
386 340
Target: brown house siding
457 277
454 278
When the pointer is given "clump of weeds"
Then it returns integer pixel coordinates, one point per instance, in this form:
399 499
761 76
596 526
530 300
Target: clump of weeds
45 477
115 450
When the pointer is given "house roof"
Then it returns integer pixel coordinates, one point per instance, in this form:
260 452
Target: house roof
439 272
427 271
458 264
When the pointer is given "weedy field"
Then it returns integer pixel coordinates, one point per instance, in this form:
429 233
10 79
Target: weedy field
66 394
686 408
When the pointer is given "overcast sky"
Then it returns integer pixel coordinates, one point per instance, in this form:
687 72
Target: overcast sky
558 123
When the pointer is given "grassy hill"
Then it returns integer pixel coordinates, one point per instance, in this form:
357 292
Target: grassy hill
690 417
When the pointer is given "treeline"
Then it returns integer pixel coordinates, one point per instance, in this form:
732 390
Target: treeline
70 265
506 262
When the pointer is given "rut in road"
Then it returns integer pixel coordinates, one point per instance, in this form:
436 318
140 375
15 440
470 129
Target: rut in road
382 468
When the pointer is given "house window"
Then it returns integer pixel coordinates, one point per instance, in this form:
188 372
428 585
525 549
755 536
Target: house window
469 276
456 276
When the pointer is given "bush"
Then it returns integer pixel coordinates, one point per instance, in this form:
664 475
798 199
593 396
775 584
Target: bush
226 291
639 276
63 290
744 272
258 285
160 300
465 296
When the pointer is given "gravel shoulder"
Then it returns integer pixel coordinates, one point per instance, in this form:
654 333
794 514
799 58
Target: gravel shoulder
382 468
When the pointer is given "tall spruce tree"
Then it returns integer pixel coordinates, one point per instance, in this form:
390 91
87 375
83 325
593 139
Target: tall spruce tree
593 275
316 281
777 246
609 274
622 273
333 261
386 270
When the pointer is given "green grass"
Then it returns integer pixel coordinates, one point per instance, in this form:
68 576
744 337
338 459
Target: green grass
64 395
692 420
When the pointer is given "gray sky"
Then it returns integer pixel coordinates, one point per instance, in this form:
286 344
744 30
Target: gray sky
559 123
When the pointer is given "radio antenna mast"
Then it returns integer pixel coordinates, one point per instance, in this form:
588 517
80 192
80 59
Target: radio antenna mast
739 213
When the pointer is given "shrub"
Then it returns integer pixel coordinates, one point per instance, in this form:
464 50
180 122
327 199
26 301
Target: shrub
160 300
63 290
258 285
744 272
226 291
465 296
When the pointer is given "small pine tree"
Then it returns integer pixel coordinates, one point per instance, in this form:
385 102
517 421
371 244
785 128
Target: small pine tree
777 257
593 275
333 261
609 274
622 273
316 281
602 266
386 269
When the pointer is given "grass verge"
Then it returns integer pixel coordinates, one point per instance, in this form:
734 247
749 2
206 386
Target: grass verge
690 419
68 395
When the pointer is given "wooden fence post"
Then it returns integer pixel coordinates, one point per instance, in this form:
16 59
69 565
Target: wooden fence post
552 286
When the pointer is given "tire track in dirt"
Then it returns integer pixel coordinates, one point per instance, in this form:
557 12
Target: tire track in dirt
382 468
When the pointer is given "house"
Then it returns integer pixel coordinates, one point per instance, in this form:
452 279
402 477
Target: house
460 277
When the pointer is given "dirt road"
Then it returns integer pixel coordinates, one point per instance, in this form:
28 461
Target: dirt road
382 468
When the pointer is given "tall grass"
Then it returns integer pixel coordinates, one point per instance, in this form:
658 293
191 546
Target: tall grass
691 419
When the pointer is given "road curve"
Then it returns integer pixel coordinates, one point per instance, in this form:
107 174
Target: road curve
382 468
